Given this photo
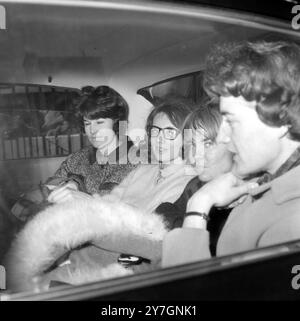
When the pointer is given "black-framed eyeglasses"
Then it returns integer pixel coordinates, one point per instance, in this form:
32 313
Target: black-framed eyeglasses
169 133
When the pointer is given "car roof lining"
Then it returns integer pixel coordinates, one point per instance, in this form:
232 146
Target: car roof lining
78 29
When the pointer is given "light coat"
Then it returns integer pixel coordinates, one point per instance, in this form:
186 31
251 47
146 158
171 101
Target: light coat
273 218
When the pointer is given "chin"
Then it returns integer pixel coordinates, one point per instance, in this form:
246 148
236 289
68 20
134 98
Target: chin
198 172
205 177
162 158
241 171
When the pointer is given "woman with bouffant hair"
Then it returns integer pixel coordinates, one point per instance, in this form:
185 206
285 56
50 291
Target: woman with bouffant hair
103 102
102 165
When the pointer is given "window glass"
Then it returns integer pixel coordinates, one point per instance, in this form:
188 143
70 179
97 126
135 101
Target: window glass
187 86
40 126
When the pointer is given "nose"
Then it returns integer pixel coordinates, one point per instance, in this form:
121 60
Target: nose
196 154
197 160
93 129
191 155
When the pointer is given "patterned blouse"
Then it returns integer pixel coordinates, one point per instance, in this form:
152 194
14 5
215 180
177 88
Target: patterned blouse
92 177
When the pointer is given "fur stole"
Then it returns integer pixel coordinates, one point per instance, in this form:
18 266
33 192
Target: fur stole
111 228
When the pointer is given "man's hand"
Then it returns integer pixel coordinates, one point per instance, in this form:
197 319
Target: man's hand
219 192
237 202
67 192
222 191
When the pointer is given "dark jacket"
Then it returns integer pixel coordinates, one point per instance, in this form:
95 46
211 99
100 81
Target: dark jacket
174 213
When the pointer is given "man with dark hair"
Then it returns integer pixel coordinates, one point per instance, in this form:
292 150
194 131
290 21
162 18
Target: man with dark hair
257 86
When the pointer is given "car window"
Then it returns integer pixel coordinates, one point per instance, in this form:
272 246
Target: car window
188 86
37 123
36 112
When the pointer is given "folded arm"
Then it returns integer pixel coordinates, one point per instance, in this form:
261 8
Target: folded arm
191 242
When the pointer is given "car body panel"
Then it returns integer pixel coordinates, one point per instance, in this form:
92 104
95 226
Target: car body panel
262 274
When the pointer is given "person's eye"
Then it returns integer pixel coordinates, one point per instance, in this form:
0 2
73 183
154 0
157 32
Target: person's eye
173 130
170 131
100 122
86 123
208 144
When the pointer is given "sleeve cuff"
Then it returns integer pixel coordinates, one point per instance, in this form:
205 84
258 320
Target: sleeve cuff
185 245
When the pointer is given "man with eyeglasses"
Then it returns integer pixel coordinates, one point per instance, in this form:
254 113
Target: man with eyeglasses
164 175
169 133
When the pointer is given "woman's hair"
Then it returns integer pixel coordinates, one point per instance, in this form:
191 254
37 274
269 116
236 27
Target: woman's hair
175 108
265 72
207 118
103 102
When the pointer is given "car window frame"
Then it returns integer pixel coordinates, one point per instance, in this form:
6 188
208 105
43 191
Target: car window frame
115 286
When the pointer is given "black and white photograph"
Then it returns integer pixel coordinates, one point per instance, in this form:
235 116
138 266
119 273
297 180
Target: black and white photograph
149 152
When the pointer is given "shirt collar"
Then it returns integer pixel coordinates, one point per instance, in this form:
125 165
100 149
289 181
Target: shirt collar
290 163
284 183
167 170
283 188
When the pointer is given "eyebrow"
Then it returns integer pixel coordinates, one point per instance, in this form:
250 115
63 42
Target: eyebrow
226 113
206 139
170 128
165 127
89 120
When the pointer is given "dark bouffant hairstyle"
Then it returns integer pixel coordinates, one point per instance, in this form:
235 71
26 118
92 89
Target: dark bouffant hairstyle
265 72
103 102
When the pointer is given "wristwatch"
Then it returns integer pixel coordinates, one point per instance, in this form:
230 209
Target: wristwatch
203 215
